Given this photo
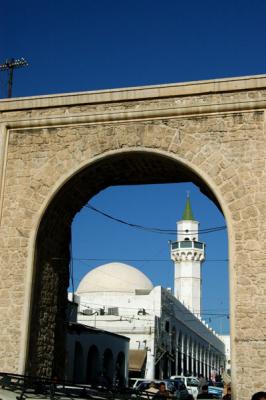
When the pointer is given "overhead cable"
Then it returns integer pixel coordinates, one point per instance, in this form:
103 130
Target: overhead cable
155 229
119 259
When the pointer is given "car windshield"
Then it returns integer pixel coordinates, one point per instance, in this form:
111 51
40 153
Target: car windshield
178 384
192 382
170 386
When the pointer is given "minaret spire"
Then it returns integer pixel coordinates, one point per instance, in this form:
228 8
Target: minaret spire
188 253
188 214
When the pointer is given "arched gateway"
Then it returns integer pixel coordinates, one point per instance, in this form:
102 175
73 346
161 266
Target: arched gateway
56 152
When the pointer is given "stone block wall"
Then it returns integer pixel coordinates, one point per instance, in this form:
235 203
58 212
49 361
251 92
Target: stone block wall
59 151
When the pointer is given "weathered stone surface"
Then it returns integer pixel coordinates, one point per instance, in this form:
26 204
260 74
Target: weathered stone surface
59 151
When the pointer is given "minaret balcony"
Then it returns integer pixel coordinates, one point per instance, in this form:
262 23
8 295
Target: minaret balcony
187 244
187 250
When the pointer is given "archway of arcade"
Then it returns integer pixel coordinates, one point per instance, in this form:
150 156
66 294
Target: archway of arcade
46 349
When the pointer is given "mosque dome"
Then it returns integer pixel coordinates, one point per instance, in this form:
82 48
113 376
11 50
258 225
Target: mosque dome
114 277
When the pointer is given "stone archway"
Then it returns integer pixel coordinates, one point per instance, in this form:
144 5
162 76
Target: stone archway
51 253
58 151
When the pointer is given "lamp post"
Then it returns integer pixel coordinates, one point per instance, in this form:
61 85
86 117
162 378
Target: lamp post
9 66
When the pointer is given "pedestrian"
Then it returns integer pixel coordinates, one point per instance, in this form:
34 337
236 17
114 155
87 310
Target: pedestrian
162 392
151 390
226 378
227 396
259 396
204 394
202 382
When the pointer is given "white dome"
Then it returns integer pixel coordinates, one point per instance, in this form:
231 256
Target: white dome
114 277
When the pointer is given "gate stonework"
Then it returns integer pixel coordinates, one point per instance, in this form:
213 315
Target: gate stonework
57 151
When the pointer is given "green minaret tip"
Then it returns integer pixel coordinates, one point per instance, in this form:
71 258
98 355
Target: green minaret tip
187 214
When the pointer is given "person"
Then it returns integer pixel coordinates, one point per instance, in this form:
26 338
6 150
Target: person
227 396
226 378
151 389
204 394
162 392
202 382
259 396
213 375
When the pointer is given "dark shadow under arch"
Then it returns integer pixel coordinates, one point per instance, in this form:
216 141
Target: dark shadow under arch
108 366
93 365
120 369
78 363
179 354
46 350
173 349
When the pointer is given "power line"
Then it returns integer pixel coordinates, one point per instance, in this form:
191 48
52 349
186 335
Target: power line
140 259
119 259
154 229
205 312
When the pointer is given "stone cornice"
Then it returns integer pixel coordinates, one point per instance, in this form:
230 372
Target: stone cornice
247 83
107 116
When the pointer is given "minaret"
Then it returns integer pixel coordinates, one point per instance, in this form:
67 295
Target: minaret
188 254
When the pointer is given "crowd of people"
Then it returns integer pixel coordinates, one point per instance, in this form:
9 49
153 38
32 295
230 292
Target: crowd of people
162 394
203 390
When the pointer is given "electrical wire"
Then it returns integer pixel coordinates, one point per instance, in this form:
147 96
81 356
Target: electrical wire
143 259
205 312
154 229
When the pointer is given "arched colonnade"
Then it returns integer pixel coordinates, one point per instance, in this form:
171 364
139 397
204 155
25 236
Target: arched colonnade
189 355
98 366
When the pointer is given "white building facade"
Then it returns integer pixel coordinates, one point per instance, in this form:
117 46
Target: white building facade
171 339
227 343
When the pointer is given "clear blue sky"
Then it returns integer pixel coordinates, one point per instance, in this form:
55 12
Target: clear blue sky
95 44
92 44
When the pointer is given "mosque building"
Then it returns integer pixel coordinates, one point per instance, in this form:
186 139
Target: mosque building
166 332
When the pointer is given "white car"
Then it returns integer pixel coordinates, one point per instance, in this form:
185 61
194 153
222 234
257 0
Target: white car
176 388
135 382
191 383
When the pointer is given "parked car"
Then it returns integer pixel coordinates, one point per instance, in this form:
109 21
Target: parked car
191 383
135 382
145 384
180 388
177 389
216 389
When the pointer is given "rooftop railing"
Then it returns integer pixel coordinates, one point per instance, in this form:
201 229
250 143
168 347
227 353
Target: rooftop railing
187 244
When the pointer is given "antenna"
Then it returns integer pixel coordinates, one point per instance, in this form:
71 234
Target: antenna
9 66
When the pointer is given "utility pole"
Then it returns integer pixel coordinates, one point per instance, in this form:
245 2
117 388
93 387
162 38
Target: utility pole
9 66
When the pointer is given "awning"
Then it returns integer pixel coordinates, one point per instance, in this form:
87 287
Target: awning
136 360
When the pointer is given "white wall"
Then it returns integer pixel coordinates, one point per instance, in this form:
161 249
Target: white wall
147 330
